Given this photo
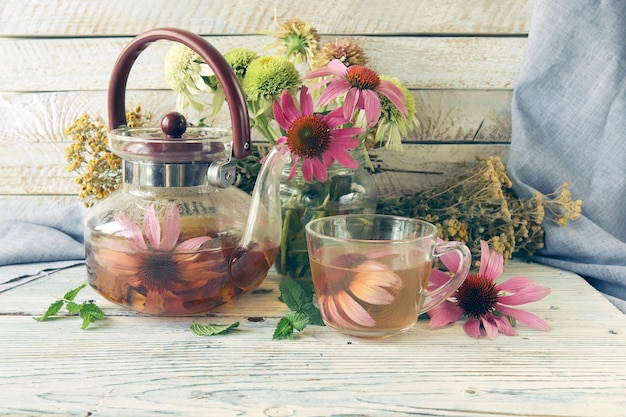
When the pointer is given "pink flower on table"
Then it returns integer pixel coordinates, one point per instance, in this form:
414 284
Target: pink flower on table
314 139
485 303
361 85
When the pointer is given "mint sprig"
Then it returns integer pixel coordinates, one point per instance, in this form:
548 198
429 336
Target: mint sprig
304 311
87 310
212 329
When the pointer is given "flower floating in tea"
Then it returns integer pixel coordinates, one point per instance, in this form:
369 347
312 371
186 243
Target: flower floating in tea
166 265
353 284
155 267
314 139
485 303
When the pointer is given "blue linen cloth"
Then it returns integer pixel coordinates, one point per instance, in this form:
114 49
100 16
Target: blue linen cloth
36 240
569 124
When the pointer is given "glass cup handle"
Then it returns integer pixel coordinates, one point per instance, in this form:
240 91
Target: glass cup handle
434 298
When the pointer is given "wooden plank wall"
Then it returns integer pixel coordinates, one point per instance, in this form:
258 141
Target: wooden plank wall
460 59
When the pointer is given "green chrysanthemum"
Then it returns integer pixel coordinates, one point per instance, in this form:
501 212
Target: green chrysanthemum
239 59
268 76
391 122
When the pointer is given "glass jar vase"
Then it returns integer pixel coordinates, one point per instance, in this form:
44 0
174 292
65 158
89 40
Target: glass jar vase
347 191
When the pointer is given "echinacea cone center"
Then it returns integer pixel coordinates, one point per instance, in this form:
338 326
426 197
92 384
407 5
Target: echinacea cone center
477 295
308 136
362 77
158 273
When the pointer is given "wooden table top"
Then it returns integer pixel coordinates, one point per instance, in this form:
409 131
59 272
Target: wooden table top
133 365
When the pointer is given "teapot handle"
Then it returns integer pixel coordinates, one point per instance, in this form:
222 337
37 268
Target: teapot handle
234 94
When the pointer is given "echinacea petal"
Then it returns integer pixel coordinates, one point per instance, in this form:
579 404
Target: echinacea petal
352 310
371 287
131 231
294 167
193 244
394 94
504 326
171 228
472 327
332 314
514 284
350 103
306 102
524 317
319 169
152 228
451 260
444 314
346 136
489 326
525 295
335 118
491 262
342 157
334 90
279 116
371 106
334 67
288 107
437 279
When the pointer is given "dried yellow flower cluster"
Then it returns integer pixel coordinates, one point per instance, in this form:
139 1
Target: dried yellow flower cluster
99 171
479 205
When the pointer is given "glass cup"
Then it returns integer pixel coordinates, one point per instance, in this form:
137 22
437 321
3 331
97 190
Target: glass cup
371 272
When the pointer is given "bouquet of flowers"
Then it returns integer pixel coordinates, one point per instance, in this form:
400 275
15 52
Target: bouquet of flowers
321 103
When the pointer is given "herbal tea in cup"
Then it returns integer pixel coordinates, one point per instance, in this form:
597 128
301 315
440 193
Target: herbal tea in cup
371 272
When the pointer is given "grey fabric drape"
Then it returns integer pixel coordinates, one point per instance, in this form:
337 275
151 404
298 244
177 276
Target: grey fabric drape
569 124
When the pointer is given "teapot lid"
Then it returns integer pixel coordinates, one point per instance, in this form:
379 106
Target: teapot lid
175 142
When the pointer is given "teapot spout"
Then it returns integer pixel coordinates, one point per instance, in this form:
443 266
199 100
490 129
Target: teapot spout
260 241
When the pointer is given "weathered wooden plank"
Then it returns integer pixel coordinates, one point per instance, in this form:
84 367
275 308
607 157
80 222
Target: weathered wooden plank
444 115
123 18
19 203
423 166
419 62
40 167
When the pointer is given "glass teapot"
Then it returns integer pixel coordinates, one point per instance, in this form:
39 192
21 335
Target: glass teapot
176 239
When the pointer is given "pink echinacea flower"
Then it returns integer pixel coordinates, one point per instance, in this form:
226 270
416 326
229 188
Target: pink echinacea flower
361 85
316 140
346 298
153 259
485 303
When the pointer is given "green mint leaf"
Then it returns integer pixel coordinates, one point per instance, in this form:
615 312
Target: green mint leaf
313 313
73 308
212 329
284 330
292 294
298 320
90 312
287 324
71 294
52 310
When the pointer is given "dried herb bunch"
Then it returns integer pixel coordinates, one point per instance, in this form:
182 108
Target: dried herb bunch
99 171
480 204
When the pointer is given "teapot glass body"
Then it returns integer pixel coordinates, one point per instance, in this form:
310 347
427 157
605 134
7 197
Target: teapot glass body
168 250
